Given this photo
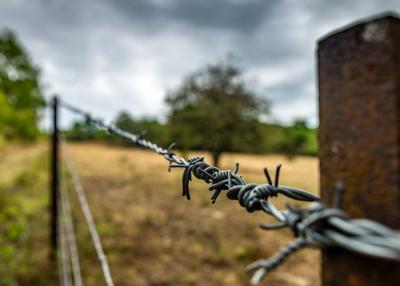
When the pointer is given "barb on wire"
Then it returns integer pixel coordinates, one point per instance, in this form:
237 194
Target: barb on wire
322 227
315 226
88 215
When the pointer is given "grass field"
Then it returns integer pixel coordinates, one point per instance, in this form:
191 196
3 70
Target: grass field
151 235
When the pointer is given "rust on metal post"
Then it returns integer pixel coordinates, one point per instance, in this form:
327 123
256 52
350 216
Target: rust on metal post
359 138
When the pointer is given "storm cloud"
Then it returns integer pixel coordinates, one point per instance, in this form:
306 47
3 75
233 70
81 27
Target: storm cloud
111 55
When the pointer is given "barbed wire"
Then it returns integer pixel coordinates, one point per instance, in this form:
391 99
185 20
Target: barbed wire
88 215
134 138
315 226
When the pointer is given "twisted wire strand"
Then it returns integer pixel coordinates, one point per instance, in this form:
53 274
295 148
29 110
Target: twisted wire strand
198 167
266 265
88 216
134 138
64 269
315 226
70 232
322 227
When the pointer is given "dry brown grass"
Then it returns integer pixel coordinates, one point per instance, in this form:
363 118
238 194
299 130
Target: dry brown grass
14 159
153 236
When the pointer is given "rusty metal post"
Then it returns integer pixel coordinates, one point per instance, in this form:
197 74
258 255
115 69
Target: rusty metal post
359 138
54 183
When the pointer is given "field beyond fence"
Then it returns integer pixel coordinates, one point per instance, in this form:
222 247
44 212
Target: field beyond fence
150 235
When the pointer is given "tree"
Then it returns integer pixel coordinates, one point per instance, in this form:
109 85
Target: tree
214 109
296 139
20 90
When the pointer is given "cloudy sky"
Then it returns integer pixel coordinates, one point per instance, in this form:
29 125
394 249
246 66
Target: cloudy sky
108 55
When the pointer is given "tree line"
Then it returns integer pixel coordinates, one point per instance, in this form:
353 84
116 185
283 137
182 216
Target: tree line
214 108
290 140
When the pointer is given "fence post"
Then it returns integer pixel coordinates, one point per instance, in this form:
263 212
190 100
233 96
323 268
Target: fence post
359 138
54 187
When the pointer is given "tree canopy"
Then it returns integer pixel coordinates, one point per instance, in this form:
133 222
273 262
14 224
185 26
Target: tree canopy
216 110
213 109
21 95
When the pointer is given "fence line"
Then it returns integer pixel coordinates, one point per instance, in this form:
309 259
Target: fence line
88 215
70 231
315 226
64 259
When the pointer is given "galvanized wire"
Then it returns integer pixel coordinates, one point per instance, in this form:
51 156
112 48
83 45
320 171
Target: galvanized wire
63 257
316 226
320 226
88 216
70 232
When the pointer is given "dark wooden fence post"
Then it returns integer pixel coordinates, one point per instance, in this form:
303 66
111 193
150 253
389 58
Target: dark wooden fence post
54 182
359 138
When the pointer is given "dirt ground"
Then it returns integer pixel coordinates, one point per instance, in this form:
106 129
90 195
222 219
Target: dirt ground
152 235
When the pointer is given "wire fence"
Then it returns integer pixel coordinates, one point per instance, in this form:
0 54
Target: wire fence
64 257
88 216
67 224
317 226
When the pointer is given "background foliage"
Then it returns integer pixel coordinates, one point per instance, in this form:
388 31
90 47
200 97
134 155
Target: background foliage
21 96
213 109
291 140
